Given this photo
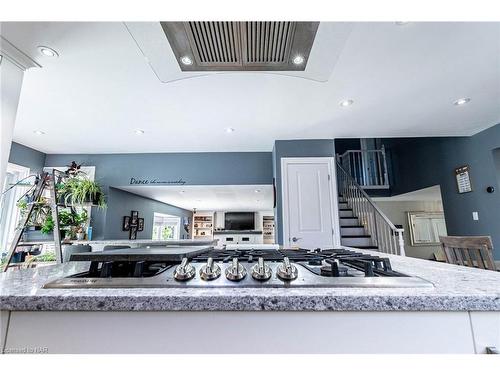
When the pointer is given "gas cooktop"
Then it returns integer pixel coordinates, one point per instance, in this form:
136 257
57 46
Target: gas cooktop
251 268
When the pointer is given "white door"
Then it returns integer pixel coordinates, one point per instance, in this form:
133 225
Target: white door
308 203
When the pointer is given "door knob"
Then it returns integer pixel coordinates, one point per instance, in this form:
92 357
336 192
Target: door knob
295 239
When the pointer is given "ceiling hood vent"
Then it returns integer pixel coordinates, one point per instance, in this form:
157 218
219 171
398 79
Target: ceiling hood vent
241 46
214 42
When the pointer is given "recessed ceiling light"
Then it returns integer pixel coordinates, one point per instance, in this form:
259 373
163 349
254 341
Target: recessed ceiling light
186 60
229 130
39 132
299 59
47 51
346 103
139 131
257 190
461 101
401 23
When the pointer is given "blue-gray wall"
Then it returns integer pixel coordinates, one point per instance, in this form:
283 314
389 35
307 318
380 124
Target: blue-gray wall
121 202
418 163
294 148
27 157
210 168
117 170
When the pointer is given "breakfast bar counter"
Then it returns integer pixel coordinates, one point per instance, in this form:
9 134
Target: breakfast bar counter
456 288
463 303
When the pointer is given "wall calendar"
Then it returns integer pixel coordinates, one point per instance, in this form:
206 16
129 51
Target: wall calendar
463 179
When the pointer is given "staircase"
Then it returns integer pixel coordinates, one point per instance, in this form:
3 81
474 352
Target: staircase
362 224
352 233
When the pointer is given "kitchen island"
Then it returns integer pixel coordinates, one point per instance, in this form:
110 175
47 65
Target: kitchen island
98 245
461 314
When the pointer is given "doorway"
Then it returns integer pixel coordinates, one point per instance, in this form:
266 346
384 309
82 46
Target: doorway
310 212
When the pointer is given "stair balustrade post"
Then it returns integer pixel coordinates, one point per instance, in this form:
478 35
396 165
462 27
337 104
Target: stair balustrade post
386 175
401 242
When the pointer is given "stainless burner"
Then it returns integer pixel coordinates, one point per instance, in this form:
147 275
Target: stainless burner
270 268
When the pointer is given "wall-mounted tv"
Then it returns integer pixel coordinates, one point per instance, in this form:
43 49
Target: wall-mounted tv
239 221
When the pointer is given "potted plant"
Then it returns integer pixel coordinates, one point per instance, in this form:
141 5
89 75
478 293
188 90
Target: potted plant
48 225
38 215
71 223
82 191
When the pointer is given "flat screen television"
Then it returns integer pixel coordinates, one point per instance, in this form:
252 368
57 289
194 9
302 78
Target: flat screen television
239 221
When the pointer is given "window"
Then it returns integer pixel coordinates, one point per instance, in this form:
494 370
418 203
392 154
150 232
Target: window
9 213
426 227
166 227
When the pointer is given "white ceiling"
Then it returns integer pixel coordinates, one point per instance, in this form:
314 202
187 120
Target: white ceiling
403 80
210 197
328 44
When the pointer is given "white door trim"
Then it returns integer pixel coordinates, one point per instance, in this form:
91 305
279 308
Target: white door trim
334 212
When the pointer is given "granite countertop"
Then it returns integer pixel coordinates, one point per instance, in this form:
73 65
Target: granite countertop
185 242
456 288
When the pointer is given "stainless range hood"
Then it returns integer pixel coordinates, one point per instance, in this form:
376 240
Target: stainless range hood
241 46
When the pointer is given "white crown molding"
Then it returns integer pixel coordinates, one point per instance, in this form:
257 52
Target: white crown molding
16 56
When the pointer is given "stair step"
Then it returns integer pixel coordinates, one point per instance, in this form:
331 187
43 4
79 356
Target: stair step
349 221
343 205
352 230
370 247
346 213
355 241
355 236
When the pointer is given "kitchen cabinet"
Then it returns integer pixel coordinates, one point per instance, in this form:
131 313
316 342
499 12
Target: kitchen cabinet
203 225
268 229
4 319
238 238
219 220
486 330
319 331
